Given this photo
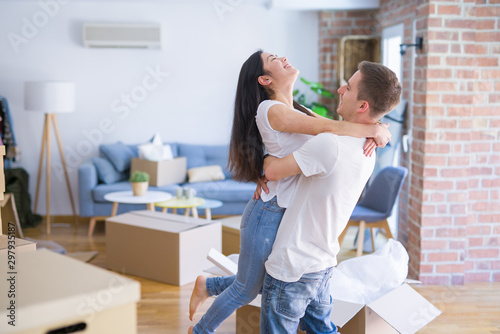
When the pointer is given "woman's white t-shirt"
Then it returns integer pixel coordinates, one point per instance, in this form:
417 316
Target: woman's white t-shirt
278 144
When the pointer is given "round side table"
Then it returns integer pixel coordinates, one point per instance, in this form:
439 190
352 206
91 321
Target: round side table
208 205
183 203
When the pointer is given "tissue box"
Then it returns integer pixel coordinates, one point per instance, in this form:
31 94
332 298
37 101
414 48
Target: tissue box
402 310
163 247
162 172
57 294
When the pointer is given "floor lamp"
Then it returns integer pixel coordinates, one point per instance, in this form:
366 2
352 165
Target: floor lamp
50 97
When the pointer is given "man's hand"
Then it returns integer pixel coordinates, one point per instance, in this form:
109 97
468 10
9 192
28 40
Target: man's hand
261 185
369 147
383 135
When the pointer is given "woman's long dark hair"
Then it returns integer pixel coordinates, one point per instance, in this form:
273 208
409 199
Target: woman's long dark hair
246 149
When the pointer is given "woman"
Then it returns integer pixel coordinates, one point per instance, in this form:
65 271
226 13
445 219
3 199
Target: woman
265 116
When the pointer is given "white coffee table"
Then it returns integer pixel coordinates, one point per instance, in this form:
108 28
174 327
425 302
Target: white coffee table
150 198
128 197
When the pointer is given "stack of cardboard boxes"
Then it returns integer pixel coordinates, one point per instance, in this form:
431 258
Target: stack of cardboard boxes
45 292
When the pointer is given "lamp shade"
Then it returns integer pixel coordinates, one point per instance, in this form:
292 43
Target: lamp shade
49 96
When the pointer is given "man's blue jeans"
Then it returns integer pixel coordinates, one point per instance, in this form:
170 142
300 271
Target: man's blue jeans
259 225
307 303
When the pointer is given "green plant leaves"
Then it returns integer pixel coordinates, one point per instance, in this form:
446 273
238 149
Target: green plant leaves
139 176
322 92
320 109
311 84
316 107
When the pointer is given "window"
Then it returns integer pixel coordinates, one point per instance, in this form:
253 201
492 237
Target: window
392 37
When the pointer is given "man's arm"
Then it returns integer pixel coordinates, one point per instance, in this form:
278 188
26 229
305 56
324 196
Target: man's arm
277 169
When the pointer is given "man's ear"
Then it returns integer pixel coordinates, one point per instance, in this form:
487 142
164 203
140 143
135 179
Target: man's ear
264 80
364 106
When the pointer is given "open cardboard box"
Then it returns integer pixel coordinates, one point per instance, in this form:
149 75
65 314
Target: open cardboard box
162 172
401 310
160 246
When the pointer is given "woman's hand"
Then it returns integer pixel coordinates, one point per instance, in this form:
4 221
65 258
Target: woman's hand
369 147
261 185
382 135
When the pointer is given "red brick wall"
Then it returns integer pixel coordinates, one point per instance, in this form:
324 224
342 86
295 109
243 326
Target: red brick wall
456 132
450 206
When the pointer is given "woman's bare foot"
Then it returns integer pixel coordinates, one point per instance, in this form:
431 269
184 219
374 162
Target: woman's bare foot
190 330
198 297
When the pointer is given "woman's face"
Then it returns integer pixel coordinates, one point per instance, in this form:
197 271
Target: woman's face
278 68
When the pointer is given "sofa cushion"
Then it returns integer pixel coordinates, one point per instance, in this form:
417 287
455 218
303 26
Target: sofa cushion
226 190
134 149
106 173
102 189
205 155
118 154
205 173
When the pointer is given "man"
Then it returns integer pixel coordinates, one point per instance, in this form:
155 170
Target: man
333 171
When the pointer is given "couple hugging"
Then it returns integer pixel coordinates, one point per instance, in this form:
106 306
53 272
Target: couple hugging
315 170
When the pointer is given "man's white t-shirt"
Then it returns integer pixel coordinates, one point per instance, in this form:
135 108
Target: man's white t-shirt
278 144
334 173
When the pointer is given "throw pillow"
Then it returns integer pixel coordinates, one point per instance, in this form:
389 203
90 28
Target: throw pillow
118 154
106 173
206 173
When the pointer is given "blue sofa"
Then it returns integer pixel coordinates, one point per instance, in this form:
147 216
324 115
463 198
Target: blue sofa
233 194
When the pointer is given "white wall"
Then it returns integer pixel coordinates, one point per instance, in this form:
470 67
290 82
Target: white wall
202 53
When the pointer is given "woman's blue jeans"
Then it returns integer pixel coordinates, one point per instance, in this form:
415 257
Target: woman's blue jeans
259 225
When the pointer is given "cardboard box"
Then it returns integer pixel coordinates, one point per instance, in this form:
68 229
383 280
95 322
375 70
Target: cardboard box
163 172
9 216
2 174
54 291
160 246
22 246
230 235
402 310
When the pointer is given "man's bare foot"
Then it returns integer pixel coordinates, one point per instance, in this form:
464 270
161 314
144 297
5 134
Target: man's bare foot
198 296
190 330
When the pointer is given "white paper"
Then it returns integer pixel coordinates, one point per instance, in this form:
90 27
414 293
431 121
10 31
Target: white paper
366 278
155 150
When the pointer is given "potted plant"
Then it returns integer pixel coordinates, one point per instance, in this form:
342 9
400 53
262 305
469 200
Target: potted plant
317 107
139 181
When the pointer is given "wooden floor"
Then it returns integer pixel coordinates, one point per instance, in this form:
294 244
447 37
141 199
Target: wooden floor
467 309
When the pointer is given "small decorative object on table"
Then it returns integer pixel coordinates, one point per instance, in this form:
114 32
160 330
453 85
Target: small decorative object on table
179 192
139 181
189 192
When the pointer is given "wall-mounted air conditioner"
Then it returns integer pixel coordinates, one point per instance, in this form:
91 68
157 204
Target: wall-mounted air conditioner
115 35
